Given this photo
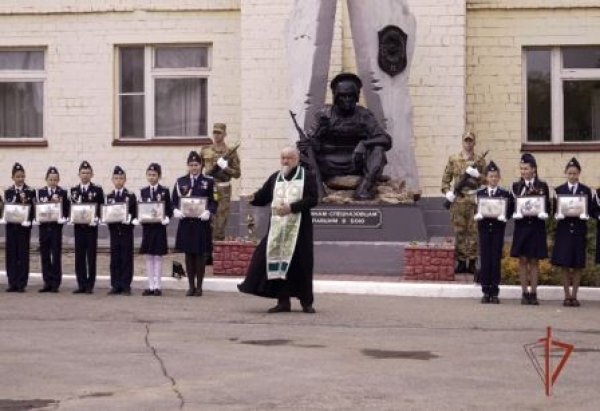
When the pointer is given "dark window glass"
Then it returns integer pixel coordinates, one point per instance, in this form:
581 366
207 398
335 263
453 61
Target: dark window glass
181 57
21 60
539 96
581 57
180 107
132 69
582 110
132 116
21 109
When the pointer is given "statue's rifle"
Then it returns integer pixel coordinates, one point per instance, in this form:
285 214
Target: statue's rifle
308 155
463 181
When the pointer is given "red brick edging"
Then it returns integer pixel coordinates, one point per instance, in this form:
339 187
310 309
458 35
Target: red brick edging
231 258
428 263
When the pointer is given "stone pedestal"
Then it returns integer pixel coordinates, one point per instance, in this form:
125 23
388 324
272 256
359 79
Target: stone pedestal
428 263
231 258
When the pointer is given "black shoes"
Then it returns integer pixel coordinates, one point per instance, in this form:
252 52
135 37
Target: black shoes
147 292
495 300
45 289
486 299
198 292
113 291
571 302
190 292
280 308
308 309
11 290
533 299
89 291
157 292
79 291
126 292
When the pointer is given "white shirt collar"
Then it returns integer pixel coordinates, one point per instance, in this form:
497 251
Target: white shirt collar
85 186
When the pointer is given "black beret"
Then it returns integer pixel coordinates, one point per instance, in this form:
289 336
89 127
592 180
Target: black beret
17 167
573 163
155 167
528 158
118 171
85 166
492 167
194 156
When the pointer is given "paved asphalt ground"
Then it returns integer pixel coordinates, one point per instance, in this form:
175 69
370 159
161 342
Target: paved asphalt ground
223 352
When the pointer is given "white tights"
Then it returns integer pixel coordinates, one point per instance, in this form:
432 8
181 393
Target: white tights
154 271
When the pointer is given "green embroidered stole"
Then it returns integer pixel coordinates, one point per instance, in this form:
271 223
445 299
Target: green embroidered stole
283 234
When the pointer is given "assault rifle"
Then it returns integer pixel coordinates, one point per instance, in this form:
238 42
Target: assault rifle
216 170
465 181
307 154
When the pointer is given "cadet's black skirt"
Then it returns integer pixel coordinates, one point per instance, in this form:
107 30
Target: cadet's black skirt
529 239
154 239
192 236
570 243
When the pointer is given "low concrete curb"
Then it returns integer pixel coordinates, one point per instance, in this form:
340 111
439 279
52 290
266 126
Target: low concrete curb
400 289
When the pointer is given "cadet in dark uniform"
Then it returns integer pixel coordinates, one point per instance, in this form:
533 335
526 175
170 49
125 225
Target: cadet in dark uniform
18 235
51 232
193 234
154 235
86 236
491 236
121 236
529 238
570 241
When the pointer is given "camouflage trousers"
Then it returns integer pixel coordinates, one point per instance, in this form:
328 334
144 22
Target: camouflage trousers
465 230
222 216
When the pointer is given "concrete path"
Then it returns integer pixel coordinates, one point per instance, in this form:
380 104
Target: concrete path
223 352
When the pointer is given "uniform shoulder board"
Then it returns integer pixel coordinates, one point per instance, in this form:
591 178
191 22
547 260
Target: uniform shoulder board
209 177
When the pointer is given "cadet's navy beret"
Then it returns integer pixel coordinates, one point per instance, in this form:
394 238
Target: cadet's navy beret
17 167
51 170
118 171
573 163
492 167
194 156
85 166
528 158
154 167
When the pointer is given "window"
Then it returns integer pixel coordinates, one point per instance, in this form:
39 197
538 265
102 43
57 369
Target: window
22 77
563 94
163 92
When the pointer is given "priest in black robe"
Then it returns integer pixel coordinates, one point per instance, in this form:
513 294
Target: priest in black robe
298 276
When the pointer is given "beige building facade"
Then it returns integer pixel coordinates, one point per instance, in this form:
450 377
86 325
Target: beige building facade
136 81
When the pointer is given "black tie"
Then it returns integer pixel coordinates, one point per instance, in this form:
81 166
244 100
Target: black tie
83 191
573 190
151 193
51 193
193 182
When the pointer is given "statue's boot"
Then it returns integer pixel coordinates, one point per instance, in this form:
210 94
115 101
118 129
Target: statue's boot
365 190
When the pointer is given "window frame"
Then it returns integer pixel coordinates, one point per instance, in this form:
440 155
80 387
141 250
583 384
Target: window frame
558 74
28 76
151 74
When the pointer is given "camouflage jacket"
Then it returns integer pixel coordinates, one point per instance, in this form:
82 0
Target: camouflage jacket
455 169
210 155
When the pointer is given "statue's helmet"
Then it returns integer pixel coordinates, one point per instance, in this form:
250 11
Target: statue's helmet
346 78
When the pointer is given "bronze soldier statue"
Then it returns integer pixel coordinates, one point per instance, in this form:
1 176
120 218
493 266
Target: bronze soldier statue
223 164
346 138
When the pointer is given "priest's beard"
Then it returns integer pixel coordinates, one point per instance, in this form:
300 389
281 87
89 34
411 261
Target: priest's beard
285 170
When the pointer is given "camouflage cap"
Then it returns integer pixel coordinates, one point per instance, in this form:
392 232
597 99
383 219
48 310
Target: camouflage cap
220 128
468 135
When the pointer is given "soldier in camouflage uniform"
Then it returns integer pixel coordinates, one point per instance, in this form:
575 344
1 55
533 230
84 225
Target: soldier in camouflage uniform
227 169
463 204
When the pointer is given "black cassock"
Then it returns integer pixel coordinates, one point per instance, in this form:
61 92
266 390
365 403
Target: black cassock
570 241
491 242
299 281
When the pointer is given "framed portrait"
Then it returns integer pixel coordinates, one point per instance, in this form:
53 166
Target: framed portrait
192 207
48 212
491 207
571 205
83 213
151 212
16 213
530 206
113 213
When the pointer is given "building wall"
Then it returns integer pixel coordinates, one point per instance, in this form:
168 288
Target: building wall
79 109
497 31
